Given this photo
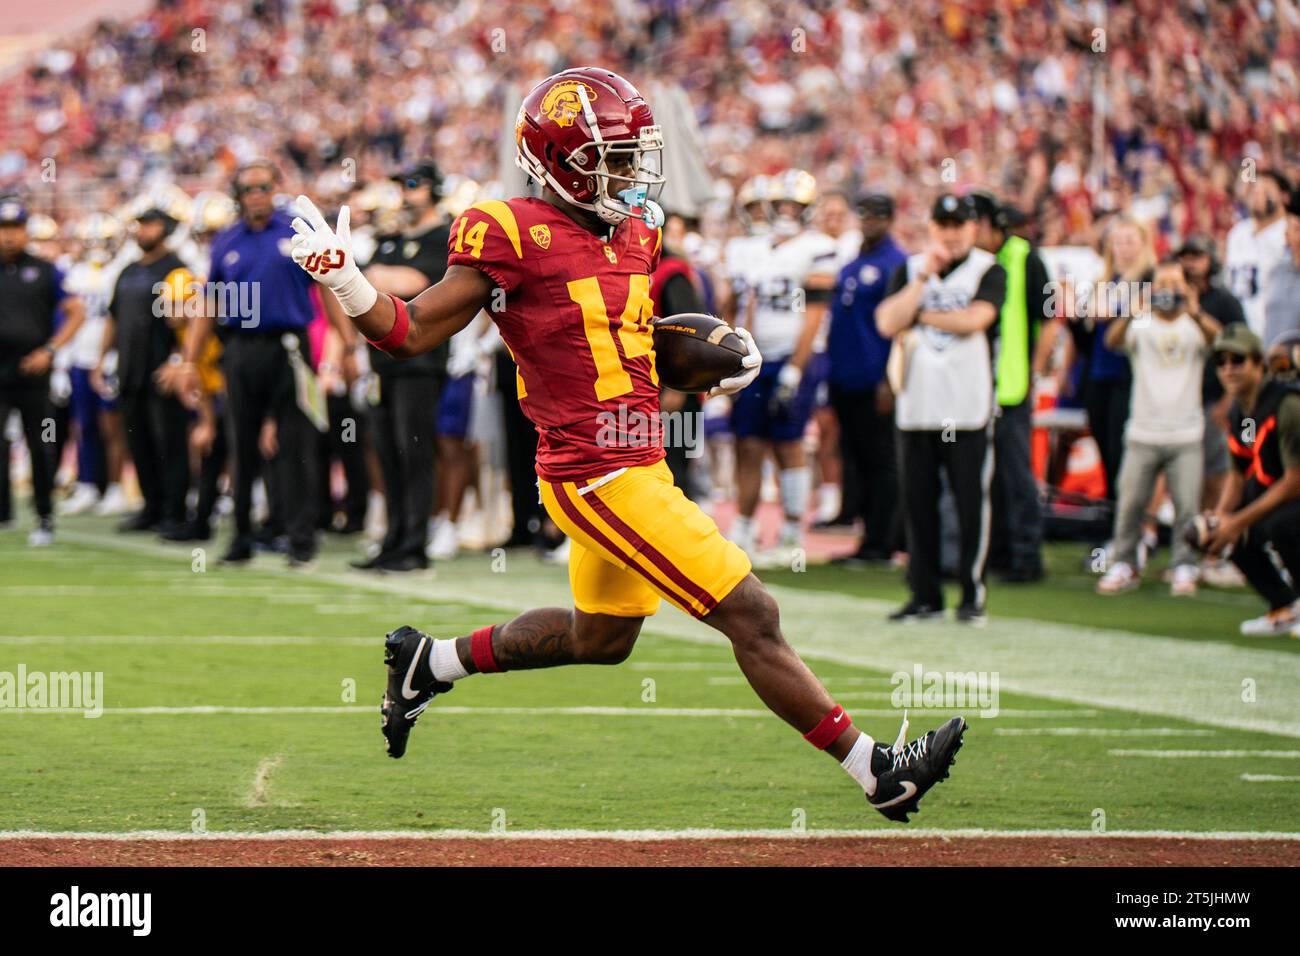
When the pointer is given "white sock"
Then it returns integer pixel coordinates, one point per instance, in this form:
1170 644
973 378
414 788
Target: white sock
791 533
858 763
742 532
796 489
829 500
445 662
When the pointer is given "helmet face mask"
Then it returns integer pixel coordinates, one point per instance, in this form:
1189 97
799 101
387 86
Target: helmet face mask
588 135
792 188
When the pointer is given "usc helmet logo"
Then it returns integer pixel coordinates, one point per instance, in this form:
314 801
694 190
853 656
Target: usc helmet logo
561 104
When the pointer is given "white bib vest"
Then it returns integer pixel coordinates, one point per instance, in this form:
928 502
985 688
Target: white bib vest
948 381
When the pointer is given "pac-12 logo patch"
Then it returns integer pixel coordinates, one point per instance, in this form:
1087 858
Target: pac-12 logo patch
541 234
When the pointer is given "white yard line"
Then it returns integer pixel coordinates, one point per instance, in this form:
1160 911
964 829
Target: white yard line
1207 754
639 836
1268 778
184 641
1100 732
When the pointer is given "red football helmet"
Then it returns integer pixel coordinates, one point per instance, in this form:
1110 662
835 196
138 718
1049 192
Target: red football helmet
589 135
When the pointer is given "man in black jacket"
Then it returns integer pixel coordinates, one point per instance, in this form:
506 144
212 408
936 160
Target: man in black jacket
403 421
148 303
31 295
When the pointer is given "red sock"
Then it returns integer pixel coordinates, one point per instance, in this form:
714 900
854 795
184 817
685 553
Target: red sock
480 648
829 728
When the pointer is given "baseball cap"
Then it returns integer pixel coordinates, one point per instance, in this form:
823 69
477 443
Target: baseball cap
985 204
1196 245
1239 340
953 208
154 214
12 211
876 204
425 171
1009 217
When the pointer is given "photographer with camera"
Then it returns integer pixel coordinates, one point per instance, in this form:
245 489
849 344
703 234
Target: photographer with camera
1260 505
1166 349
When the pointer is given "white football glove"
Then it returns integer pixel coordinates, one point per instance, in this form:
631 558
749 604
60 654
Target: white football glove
787 383
750 364
326 255
463 362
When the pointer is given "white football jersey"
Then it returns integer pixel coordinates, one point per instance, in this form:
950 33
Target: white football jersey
92 283
1251 256
775 277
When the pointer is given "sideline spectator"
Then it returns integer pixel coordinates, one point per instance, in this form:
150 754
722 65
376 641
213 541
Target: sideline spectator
31 293
1107 381
1256 244
860 393
1017 542
1282 286
942 313
1260 507
1164 433
264 356
403 420
157 424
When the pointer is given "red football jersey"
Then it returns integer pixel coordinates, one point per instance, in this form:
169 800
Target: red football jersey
575 312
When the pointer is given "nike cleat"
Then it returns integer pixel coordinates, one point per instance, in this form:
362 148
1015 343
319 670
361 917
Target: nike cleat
411 685
905 772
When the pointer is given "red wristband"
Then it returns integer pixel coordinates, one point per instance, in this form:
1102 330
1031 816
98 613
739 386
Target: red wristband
480 648
829 728
401 328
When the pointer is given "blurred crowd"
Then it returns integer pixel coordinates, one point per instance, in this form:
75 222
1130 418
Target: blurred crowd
143 144
907 98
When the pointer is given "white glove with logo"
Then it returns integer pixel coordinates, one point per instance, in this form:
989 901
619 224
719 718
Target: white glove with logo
751 363
326 255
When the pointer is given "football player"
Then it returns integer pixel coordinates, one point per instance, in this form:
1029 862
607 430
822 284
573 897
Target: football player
566 278
791 276
101 435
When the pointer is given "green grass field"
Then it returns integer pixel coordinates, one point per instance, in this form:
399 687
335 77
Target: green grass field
684 742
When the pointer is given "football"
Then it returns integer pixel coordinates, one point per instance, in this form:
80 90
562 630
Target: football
1199 530
694 351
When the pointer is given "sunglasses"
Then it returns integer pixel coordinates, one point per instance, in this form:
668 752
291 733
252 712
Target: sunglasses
255 188
1229 358
413 183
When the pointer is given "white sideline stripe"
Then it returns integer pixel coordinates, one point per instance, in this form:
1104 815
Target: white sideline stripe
639 836
248 639
1268 778
1100 732
1196 754
828 681
211 709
